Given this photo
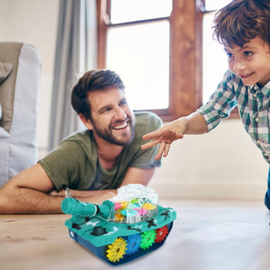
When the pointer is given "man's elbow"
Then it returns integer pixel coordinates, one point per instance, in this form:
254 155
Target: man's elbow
4 201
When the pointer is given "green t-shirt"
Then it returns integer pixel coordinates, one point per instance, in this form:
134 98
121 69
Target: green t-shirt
75 163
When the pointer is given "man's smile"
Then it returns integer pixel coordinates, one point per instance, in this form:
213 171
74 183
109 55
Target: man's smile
120 126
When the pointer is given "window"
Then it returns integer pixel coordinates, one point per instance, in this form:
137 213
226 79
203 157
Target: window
212 50
156 48
214 62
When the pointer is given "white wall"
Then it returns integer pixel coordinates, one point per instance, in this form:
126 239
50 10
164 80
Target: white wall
223 164
34 22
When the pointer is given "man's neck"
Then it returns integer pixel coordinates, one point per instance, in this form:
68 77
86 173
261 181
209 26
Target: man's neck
108 153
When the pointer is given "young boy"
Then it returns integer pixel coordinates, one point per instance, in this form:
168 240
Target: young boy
243 27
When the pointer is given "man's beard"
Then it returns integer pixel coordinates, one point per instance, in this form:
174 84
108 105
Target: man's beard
106 134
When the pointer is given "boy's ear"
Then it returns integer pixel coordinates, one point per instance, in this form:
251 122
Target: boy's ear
87 122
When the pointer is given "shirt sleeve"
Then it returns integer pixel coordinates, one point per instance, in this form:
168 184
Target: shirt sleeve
221 102
64 165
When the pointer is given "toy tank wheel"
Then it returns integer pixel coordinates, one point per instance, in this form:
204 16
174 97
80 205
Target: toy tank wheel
161 234
117 250
133 244
148 238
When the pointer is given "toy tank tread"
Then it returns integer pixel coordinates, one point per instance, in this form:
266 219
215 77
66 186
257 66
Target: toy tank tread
122 229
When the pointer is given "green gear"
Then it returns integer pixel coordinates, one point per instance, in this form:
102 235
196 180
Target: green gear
117 250
147 239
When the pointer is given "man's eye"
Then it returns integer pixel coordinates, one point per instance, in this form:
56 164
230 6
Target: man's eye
105 110
123 103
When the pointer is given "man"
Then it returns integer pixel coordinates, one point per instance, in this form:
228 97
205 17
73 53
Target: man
93 163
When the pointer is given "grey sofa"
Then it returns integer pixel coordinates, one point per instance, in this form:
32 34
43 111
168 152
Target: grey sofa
19 83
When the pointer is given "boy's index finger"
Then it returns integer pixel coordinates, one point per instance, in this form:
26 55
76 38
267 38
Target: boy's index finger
149 144
151 135
146 145
147 136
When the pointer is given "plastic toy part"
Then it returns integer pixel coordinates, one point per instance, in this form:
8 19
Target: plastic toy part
117 250
119 217
133 244
161 234
149 206
122 229
136 203
148 238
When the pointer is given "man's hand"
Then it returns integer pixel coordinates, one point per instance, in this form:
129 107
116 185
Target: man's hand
55 193
165 136
99 199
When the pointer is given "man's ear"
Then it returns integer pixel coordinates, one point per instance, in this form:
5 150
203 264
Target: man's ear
87 122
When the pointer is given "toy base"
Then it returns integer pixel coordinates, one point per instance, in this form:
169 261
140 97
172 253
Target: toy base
101 251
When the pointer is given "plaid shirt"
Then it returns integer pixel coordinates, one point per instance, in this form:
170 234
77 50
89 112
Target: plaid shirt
253 105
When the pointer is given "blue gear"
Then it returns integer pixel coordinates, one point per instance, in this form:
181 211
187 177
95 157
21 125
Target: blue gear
133 243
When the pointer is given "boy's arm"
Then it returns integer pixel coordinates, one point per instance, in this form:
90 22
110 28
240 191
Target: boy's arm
192 124
27 193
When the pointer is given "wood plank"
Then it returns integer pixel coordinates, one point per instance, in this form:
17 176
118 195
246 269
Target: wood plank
206 235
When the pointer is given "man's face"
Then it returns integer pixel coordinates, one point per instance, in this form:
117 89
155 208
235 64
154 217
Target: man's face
112 119
251 62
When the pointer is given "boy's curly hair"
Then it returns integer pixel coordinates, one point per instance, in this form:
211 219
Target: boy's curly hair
93 80
242 20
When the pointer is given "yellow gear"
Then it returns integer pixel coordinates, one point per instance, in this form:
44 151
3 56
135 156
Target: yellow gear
124 204
117 250
118 217
149 206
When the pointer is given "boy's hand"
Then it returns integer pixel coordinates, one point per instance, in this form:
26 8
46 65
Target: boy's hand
165 136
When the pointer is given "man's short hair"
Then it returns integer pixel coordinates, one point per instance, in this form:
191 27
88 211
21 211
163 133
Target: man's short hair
94 80
242 20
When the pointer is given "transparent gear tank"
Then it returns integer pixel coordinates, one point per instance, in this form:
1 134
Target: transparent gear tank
122 229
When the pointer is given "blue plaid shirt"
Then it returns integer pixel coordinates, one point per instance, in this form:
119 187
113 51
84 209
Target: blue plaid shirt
253 105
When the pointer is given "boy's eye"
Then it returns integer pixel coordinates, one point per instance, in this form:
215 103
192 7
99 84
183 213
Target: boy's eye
247 54
229 55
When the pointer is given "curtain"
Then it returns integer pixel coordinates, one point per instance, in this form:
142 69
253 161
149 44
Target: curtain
76 52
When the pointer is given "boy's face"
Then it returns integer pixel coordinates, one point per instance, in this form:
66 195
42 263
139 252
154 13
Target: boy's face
251 62
112 119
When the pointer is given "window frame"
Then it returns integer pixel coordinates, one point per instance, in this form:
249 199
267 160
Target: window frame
185 80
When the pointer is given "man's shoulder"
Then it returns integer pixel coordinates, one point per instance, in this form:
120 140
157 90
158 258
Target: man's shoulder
148 120
81 138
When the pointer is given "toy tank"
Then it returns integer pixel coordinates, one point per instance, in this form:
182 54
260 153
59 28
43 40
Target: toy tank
124 228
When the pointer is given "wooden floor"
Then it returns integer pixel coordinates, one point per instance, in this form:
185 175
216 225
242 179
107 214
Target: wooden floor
207 235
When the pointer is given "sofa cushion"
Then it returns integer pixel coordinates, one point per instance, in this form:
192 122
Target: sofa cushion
19 101
5 69
9 53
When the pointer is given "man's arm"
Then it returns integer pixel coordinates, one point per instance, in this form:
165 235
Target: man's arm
138 176
133 176
27 193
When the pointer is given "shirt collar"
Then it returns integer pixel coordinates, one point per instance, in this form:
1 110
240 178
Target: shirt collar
265 90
